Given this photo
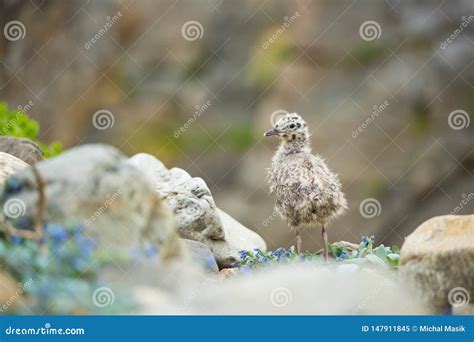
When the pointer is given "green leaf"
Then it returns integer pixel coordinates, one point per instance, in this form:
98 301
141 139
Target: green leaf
18 125
381 252
393 259
375 260
395 249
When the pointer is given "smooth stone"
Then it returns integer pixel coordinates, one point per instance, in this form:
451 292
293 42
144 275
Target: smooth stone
22 148
437 259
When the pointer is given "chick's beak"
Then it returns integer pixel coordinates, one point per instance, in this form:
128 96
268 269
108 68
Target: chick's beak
271 133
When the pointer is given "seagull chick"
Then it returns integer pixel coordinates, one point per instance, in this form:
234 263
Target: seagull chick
306 191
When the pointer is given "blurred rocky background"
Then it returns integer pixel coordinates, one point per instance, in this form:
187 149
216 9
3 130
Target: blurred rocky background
386 86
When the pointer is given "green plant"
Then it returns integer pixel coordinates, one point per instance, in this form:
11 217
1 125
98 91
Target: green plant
364 252
17 124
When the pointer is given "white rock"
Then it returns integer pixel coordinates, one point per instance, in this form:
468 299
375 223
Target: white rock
9 165
95 186
350 268
296 289
196 214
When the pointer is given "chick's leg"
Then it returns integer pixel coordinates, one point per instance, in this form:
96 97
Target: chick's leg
324 235
299 241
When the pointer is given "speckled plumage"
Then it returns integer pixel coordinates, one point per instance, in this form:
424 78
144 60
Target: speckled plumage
306 191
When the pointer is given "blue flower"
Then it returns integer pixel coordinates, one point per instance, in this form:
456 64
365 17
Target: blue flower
278 252
243 254
13 185
16 240
150 251
86 245
343 256
56 232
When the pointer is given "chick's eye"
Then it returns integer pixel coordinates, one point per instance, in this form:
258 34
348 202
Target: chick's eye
292 126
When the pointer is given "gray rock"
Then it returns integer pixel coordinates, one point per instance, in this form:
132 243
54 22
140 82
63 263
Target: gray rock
22 148
202 254
95 186
237 238
437 259
197 217
9 165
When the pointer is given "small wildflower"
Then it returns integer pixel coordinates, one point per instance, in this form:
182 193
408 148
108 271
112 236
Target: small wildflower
150 250
278 252
86 246
16 240
56 232
243 254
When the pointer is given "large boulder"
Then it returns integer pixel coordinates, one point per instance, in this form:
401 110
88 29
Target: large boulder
9 165
437 259
237 238
22 148
196 214
93 185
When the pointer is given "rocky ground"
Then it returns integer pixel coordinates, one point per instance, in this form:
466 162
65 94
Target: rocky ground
93 231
